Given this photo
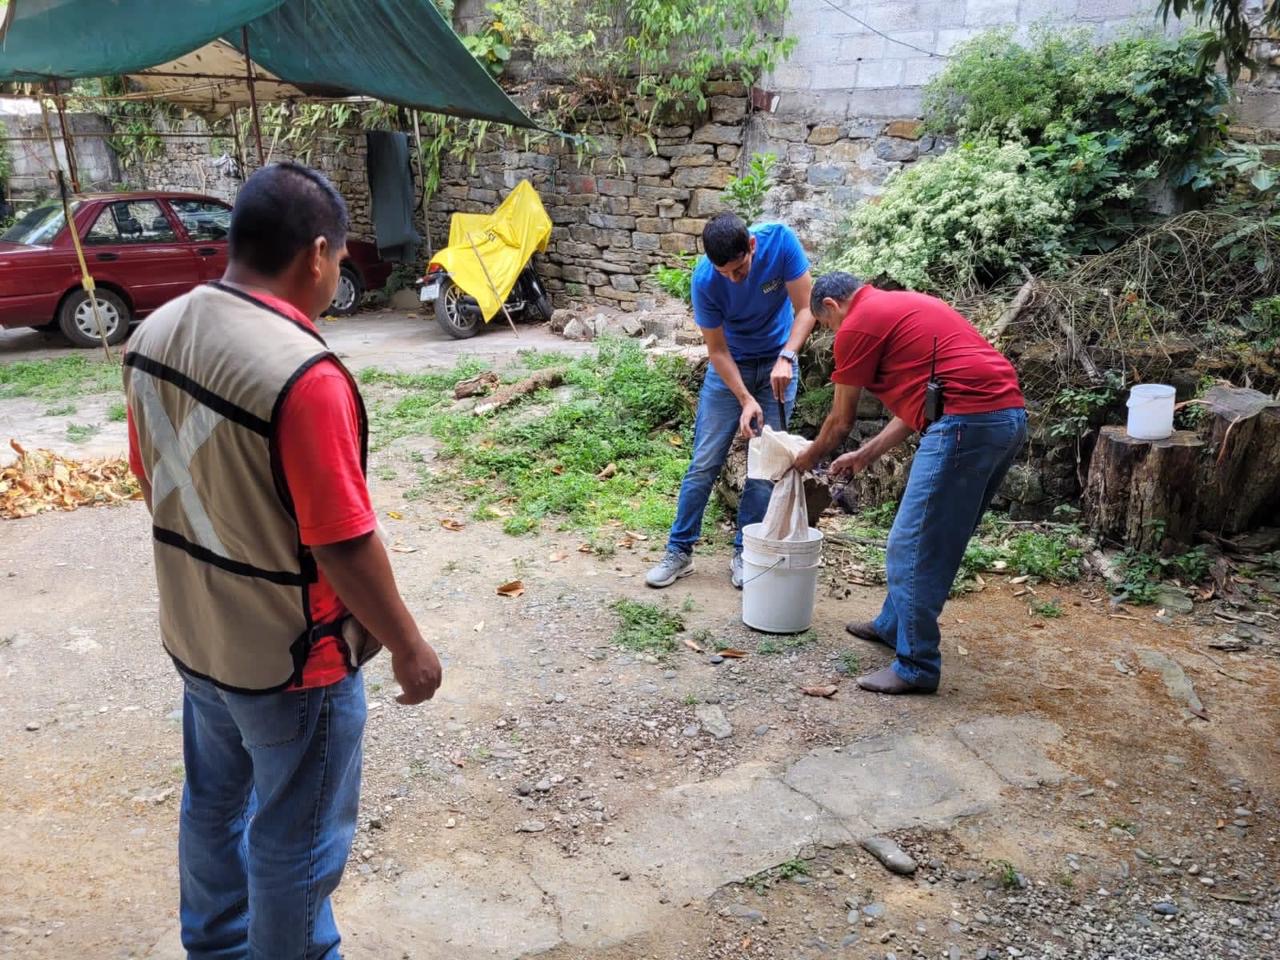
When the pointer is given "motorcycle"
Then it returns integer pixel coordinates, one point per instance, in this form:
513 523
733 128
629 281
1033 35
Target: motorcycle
487 266
459 314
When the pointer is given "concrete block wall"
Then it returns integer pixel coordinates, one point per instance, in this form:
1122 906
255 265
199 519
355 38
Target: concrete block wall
872 59
29 153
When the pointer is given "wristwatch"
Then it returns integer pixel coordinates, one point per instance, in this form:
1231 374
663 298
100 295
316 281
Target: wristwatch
787 355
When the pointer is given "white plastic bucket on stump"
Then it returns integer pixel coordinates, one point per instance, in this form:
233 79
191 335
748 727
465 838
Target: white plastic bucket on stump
779 580
1151 411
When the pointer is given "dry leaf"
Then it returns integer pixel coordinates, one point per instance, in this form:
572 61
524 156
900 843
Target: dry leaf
675 441
42 480
394 515
692 645
732 653
637 536
962 650
558 557
585 548
513 589
403 548
451 524
827 691
607 472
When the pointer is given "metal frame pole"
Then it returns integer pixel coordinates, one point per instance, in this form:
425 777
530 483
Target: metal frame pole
68 143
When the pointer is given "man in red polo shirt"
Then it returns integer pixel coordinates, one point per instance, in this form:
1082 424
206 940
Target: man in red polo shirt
248 437
937 376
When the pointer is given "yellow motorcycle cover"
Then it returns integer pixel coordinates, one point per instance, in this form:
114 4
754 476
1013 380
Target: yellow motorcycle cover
498 244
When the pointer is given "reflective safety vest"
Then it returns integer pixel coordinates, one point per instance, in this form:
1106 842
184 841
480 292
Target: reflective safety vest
206 377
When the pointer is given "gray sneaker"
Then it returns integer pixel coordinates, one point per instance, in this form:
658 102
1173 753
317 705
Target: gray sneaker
675 564
735 569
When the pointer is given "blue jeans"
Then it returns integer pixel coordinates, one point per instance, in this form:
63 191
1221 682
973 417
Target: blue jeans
959 466
714 429
268 815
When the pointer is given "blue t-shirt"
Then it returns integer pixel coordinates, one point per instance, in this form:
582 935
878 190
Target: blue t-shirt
756 314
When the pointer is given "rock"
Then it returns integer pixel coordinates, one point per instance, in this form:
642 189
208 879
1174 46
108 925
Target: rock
896 149
715 658
824 135
543 786
560 319
1166 909
450 823
531 826
761 730
714 721
1173 599
854 917
668 674
691 731
631 326
906 129
33 726
1175 680
890 854
524 788
873 910
742 912
578 329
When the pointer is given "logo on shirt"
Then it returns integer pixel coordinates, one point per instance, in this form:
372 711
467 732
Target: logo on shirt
771 285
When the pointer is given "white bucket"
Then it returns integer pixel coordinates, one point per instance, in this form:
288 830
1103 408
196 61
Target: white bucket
779 581
1151 411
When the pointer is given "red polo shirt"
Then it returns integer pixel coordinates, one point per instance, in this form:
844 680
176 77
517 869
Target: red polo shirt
319 436
886 344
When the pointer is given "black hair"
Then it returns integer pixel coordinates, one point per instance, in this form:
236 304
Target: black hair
838 286
725 238
280 211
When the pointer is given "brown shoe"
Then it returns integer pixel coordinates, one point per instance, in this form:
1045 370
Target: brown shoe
888 681
866 630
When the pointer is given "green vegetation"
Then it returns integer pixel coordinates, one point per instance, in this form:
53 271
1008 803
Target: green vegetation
786 643
1233 32
61 410
850 662
605 459
80 432
1076 409
787 870
61 378
1063 146
745 195
1049 609
1142 573
677 281
646 627
1006 873
116 413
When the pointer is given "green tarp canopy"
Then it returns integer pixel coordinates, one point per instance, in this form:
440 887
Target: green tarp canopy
400 51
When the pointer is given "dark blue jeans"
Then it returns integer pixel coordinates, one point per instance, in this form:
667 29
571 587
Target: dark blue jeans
961 462
268 815
713 432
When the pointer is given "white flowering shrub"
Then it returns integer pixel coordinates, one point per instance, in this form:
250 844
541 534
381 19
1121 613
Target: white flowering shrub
958 221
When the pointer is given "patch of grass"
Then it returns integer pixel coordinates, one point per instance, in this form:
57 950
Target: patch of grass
61 410
646 627
1141 573
116 413
786 643
608 458
59 378
689 605
1065 879
690 700
1049 609
1046 556
1006 873
385 473
768 647
80 432
850 662
787 870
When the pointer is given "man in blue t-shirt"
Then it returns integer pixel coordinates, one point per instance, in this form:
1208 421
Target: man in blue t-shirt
751 301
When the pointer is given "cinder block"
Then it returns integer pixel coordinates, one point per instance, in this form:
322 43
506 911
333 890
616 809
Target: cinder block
919 71
865 46
1110 9
948 40
879 75
991 13
1053 11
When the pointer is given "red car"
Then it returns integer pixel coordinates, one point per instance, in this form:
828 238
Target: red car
143 250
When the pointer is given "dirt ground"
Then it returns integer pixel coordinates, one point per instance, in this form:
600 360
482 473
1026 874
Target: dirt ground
566 799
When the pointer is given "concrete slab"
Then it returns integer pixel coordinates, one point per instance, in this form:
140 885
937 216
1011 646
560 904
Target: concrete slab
1014 747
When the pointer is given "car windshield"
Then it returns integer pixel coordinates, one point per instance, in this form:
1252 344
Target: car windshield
38 226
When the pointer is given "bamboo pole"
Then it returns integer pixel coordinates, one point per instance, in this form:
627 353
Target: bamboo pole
489 280
253 96
68 143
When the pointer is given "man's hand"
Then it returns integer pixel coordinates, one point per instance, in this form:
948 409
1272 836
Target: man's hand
752 420
853 462
807 460
780 378
417 669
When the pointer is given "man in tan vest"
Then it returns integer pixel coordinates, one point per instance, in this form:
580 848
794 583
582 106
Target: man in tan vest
249 438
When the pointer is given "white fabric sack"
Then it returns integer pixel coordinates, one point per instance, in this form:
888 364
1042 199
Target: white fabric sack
769 457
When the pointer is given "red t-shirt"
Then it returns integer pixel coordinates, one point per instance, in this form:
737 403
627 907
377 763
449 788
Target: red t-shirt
886 344
319 438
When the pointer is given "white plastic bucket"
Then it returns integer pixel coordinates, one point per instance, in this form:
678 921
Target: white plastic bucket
1151 411
779 581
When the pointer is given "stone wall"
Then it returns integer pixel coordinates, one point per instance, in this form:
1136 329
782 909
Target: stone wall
622 214
29 152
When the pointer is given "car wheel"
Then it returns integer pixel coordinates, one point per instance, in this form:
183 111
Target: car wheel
457 313
77 323
346 300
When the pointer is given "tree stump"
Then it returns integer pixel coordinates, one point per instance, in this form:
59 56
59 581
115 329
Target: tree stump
1241 476
1144 493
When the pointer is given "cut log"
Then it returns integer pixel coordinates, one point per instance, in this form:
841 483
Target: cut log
475 386
1241 475
542 380
1143 493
